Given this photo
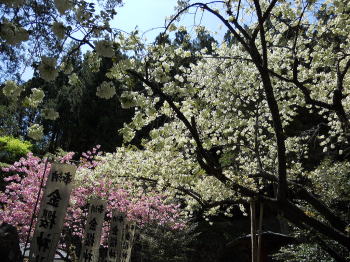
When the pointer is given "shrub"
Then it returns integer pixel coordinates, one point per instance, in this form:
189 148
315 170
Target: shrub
12 149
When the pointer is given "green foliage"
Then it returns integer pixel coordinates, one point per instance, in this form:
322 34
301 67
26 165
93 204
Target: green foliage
84 118
11 149
303 253
161 244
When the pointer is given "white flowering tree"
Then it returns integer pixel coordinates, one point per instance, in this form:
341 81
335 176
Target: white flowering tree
233 117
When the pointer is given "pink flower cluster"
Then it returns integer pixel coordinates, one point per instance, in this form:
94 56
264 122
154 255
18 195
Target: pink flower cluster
18 200
88 159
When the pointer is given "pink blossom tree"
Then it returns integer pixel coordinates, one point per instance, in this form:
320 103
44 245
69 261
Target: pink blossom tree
19 198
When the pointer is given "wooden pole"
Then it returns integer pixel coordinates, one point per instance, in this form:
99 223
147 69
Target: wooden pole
253 230
35 207
260 231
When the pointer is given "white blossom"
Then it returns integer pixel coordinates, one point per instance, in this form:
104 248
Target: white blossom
74 80
47 68
106 90
36 132
59 29
104 48
67 68
172 27
93 60
35 98
127 99
50 114
187 54
63 5
12 90
13 34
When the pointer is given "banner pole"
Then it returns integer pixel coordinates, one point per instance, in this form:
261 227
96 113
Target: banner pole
36 204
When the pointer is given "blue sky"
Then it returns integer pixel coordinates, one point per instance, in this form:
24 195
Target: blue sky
148 14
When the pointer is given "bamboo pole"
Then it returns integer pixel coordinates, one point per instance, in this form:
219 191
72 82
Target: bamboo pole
253 230
260 231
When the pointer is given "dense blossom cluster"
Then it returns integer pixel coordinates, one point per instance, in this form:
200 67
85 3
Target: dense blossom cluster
231 133
104 48
106 90
36 132
12 33
12 90
50 114
35 98
47 68
52 27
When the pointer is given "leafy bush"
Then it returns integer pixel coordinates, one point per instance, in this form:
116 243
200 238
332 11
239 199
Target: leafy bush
307 252
160 243
12 149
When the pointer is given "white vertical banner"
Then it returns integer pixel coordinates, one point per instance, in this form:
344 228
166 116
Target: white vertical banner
115 236
52 212
127 241
93 231
121 237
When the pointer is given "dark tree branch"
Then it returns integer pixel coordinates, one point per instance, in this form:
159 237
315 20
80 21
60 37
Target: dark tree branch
304 90
312 236
224 202
223 20
297 216
335 221
303 194
263 18
238 9
338 96
81 42
262 33
182 189
279 133
341 75
326 247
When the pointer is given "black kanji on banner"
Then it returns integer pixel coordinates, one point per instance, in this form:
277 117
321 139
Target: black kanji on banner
48 219
61 177
52 212
93 228
54 198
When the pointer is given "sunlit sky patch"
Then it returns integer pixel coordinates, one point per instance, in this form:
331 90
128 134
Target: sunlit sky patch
148 16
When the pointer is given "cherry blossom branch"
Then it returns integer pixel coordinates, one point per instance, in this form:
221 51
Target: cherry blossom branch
306 92
223 20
